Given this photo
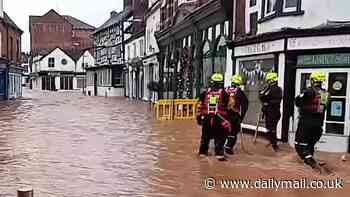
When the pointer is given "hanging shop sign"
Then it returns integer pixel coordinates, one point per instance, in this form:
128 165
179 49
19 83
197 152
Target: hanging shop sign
341 59
260 48
319 42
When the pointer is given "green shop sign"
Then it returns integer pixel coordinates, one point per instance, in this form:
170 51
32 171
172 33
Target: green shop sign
341 59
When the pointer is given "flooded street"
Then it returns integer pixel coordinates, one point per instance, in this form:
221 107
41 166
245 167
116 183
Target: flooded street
64 144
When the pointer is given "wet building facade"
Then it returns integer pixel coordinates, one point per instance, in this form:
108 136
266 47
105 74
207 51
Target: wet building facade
60 70
10 60
283 37
192 46
108 73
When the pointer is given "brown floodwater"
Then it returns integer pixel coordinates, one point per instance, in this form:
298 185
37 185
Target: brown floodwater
66 145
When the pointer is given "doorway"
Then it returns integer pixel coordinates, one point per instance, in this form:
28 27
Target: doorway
337 121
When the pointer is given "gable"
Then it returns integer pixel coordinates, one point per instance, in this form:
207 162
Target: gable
51 17
58 53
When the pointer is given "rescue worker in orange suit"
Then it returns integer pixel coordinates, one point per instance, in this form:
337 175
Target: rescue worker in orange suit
271 97
213 117
237 108
312 103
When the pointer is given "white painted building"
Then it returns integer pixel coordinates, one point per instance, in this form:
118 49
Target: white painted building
60 70
294 38
135 51
150 61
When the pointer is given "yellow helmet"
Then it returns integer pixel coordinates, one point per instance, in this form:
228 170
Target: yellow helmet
236 79
217 77
318 76
271 76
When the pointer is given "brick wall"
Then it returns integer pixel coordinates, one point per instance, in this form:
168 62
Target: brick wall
10 43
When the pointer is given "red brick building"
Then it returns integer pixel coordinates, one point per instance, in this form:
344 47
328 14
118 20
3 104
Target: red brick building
10 60
54 30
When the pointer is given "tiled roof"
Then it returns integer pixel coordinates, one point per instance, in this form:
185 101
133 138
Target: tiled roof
115 19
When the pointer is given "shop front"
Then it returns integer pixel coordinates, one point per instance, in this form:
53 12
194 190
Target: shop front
253 62
337 121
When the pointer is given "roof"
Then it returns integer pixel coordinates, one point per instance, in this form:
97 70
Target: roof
72 53
76 23
115 19
10 22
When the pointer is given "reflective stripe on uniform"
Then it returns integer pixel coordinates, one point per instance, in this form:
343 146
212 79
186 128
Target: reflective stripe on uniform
308 156
301 144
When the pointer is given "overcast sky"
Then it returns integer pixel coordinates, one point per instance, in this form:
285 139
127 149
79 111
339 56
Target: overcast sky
93 12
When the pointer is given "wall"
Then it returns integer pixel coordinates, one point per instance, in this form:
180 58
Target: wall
88 59
51 31
5 43
58 54
316 13
83 37
152 25
131 44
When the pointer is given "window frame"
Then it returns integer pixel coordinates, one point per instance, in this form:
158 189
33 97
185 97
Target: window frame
51 64
280 10
290 9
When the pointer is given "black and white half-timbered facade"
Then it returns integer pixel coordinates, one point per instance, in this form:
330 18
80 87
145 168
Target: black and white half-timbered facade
193 46
106 77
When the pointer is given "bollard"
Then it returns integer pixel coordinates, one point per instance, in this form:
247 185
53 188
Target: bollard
25 192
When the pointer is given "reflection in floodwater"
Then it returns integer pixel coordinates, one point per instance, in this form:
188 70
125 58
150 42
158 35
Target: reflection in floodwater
69 145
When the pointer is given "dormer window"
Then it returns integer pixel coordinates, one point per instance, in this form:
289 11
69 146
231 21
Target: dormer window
270 7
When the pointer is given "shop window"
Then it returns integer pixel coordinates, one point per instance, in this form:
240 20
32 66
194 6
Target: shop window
51 62
66 82
254 23
117 74
81 83
253 73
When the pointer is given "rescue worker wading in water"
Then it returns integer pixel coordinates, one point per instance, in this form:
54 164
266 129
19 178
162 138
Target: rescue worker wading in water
312 104
237 108
271 97
213 117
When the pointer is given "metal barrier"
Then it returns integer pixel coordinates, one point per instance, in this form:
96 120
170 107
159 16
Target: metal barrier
176 109
164 109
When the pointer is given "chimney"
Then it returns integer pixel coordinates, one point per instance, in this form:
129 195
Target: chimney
1 9
113 13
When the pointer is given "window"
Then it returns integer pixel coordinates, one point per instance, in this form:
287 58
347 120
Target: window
290 5
129 48
141 48
18 51
252 3
81 83
117 74
270 7
66 82
253 73
11 49
51 62
134 46
254 23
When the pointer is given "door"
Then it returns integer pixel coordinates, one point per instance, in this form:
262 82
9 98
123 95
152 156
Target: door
2 84
95 83
337 120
